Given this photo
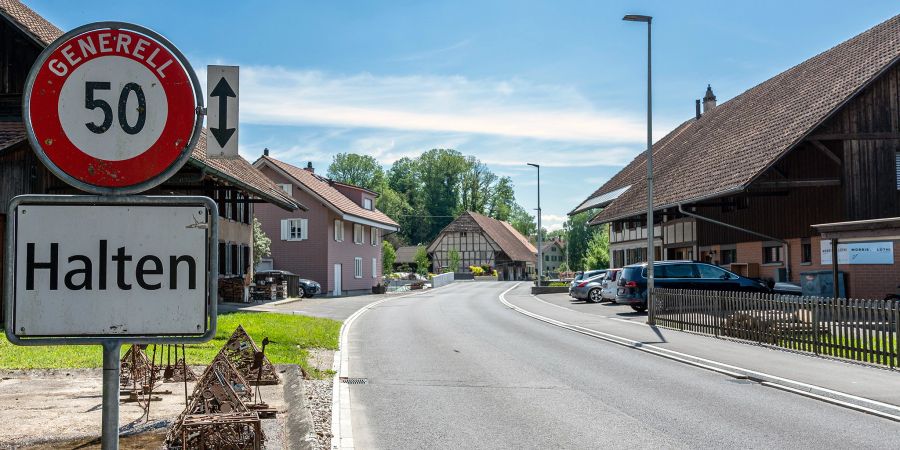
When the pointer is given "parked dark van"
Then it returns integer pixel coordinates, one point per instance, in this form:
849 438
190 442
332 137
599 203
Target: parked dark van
632 284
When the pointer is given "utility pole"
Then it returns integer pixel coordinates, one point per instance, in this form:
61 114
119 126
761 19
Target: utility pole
651 253
540 253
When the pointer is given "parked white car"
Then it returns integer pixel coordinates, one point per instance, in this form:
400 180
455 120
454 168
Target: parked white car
610 284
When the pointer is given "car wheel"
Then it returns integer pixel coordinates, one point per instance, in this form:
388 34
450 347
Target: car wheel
639 308
302 293
594 296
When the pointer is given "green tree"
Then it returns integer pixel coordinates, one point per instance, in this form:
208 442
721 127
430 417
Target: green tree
522 221
388 256
403 179
261 242
597 254
476 186
503 197
421 260
453 255
441 172
578 234
358 170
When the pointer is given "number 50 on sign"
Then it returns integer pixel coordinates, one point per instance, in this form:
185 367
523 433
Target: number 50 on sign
114 107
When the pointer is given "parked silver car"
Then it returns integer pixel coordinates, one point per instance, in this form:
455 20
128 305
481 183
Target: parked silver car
589 288
583 276
608 292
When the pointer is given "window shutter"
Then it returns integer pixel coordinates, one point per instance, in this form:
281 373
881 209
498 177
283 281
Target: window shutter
239 258
304 229
227 259
285 229
374 267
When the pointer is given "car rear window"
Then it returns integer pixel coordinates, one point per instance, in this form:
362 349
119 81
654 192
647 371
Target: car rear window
631 273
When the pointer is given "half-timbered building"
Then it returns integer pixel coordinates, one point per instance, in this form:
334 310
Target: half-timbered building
742 183
482 241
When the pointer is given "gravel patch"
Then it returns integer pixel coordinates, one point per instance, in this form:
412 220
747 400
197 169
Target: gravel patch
318 393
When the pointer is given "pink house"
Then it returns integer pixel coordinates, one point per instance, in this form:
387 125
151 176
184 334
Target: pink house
337 242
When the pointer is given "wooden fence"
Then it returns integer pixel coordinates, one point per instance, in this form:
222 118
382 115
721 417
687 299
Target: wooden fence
859 330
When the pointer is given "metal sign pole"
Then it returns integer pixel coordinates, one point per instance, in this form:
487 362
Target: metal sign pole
110 420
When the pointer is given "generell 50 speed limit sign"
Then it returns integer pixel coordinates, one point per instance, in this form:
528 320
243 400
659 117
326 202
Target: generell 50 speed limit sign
113 107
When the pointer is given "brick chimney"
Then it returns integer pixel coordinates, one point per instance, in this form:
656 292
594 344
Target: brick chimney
309 167
709 100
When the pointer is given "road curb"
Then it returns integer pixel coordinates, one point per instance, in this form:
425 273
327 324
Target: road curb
341 425
861 404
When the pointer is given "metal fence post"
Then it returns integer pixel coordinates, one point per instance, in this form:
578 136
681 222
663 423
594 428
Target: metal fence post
815 324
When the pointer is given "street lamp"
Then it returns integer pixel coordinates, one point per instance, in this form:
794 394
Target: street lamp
650 248
540 257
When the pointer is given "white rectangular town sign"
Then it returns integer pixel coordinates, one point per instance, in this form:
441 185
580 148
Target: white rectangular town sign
108 268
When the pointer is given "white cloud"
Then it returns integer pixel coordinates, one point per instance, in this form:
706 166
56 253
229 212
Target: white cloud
552 222
443 104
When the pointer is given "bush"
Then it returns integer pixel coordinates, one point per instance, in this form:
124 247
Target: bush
477 271
558 284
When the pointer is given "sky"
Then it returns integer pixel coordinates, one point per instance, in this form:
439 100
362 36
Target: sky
557 83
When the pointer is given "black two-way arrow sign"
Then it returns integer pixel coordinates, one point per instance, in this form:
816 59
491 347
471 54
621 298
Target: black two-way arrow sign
223 91
223 85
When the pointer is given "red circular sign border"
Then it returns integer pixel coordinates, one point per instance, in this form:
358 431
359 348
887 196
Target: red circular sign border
150 168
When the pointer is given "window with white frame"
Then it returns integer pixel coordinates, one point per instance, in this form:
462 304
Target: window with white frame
357 267
367 203
357 233
286 187
373 236
374 267
339 230
294 229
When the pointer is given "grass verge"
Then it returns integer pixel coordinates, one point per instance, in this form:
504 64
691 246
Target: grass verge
289 338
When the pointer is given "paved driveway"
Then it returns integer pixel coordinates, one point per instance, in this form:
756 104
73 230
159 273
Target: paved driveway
605 309
337 308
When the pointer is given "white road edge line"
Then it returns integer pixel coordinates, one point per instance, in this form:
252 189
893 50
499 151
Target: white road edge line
865 405
341 425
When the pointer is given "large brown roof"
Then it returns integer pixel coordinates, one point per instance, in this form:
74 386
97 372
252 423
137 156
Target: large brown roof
237 170
323 188
729 147
11 133
35 26
516 246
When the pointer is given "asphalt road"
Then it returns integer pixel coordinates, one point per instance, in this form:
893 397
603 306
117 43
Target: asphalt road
454 368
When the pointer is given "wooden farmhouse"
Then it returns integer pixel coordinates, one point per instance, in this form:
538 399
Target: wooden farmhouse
482 241
742 184
233 183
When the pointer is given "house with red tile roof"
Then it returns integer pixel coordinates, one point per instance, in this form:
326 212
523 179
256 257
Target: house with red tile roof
337 241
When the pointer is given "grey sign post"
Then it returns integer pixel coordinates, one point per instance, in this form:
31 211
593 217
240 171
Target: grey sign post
137 269
114 109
